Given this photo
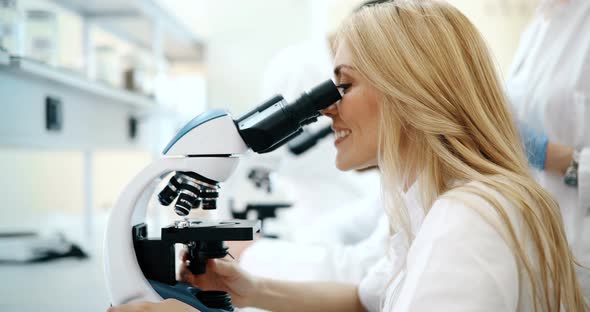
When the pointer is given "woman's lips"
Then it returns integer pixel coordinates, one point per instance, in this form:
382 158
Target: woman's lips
341 135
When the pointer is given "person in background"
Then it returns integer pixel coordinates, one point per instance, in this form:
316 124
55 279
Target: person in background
470 230
549 88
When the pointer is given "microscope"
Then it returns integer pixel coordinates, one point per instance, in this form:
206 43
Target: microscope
203 154
263 203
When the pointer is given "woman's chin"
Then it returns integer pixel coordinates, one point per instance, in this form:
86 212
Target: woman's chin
347 165
342 165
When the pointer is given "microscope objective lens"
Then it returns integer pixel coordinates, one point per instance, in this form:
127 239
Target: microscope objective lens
170 192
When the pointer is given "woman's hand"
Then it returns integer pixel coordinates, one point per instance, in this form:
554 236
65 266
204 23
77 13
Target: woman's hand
225 275
237 248
559 157
169 305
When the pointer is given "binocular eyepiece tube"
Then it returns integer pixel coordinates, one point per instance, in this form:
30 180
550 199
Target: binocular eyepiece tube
275 122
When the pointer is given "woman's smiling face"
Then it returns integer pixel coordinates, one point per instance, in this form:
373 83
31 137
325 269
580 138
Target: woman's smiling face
355 118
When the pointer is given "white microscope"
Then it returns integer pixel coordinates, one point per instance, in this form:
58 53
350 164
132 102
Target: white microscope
204 153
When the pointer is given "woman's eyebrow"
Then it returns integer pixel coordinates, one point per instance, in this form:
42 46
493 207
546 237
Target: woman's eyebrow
339 68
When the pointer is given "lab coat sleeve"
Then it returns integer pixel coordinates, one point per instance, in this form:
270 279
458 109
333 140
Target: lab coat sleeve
458 262
584 181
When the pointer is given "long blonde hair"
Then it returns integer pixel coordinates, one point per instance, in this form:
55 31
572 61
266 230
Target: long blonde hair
442 103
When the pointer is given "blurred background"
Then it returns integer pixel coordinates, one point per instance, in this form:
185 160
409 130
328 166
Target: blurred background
123 76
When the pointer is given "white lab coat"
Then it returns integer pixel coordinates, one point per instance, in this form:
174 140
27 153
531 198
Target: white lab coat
458 261
549 78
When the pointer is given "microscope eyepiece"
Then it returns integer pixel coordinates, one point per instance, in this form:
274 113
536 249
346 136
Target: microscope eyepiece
275 122
308 105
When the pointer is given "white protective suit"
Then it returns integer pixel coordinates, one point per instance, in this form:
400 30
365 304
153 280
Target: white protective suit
549 88
327 259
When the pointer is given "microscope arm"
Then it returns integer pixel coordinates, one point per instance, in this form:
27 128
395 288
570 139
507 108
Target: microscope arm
125 280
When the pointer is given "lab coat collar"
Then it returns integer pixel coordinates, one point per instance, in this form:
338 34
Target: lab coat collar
413 204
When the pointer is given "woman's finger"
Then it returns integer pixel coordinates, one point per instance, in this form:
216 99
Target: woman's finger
168 305
184 255
224 267
173 305
131 307
186 276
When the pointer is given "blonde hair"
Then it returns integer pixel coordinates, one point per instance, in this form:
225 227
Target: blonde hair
442 103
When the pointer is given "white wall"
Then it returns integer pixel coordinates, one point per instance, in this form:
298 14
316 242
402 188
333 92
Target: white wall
501 22
241 44
243 35
241 38
37 181
28 173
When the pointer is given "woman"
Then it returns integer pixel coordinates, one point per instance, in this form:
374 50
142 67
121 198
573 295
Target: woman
471 230
547 84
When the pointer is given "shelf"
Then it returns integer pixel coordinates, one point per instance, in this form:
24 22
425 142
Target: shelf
137 22
76 81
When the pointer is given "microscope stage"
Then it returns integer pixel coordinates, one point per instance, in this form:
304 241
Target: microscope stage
208 230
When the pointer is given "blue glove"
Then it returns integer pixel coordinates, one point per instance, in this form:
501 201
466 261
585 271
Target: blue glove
535 145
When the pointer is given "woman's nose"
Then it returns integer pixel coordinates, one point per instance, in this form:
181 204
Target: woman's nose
330 111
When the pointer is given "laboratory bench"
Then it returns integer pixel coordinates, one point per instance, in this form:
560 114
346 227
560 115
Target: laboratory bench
67 284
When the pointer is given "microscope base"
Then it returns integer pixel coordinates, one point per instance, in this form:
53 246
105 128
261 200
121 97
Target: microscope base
184 293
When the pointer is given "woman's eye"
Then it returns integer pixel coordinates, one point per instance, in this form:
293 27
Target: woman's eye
343 87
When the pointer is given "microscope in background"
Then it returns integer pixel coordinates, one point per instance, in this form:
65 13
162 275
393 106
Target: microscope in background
260 195
203 154
254 193
307 139
262 204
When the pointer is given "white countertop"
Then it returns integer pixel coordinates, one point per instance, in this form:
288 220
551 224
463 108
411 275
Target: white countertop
62 285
